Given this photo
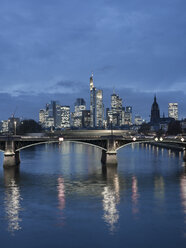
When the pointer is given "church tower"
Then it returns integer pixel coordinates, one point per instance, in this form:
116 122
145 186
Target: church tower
155 112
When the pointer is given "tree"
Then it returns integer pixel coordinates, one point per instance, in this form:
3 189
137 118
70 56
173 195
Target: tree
174 128
145 128
29 126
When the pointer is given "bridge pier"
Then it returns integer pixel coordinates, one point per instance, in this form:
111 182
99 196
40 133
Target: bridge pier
109 157
11 157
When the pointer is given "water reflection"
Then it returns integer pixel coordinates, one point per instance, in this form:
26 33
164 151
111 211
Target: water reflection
12 200
111 197
135 195
159 187
183 192
61 198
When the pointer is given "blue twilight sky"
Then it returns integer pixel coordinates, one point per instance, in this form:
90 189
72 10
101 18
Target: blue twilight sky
48 49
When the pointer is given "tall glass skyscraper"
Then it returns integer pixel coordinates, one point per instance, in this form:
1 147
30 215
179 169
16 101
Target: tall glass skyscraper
96 106
116 107
99 108
92 103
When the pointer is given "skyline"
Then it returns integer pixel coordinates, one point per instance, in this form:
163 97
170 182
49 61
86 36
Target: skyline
48 51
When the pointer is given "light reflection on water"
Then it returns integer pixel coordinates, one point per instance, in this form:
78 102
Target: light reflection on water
12 199
69 178
61 198
183 193
111 198
135 195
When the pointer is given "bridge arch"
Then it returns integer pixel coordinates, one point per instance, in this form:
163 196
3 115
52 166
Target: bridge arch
86 143
56 141
133 142
35 144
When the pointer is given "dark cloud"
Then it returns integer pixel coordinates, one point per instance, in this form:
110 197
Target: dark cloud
136 45
69 84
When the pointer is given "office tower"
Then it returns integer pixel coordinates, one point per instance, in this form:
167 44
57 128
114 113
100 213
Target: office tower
138 120
116 108
155 112
52 115
128 115
123 116
58 115
4 126
65 116
173 110
42 117
51 110
99 108
92 103
86 118
49 122
80 105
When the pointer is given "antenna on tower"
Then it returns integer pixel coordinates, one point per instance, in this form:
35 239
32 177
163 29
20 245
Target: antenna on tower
113 90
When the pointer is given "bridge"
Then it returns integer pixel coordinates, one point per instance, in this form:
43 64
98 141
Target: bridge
108 141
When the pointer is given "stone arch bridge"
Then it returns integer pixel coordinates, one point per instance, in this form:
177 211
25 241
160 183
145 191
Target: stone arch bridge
109 144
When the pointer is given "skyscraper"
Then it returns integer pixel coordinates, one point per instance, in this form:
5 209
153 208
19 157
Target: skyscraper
65 116
42 117
116 108
86 118
92 103
173 110
80 106
128 115
99 108
53 110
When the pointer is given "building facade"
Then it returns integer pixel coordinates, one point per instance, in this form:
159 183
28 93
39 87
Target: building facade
138 120
76 116
65 117
173 110
86 118
99 108
42 117
92 103
128 116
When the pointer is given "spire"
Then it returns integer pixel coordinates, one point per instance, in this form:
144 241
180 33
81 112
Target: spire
155 98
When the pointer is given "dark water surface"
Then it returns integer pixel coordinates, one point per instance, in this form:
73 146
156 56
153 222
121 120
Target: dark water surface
61 197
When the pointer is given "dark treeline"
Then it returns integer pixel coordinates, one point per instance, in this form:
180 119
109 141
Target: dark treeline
28 126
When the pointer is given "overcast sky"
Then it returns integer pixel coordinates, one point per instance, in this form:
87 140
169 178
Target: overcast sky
48 49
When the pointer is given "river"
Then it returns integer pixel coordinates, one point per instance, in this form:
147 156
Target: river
62 197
